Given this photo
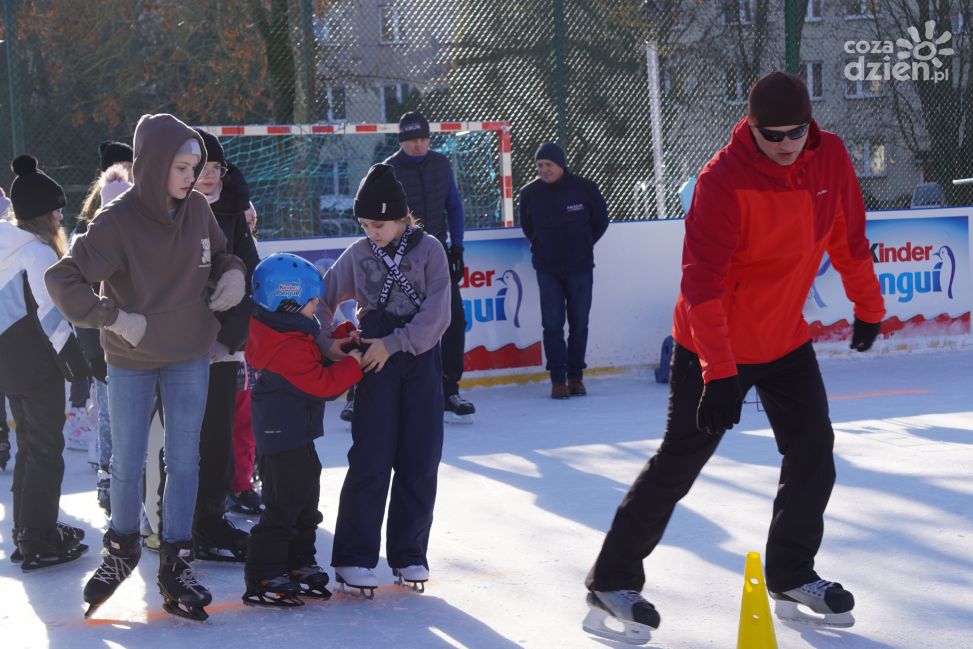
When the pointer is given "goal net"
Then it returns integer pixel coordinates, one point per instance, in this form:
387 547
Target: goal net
303 178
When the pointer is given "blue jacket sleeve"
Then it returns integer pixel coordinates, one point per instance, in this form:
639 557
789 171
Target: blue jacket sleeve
454 213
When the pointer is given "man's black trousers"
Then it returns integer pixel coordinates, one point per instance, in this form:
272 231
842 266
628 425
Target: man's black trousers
792 393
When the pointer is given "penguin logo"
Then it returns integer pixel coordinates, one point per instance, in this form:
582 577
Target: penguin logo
509 279
945 254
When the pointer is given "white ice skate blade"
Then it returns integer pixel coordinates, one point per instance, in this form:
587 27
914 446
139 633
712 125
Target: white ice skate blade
453 418
601 623
794 612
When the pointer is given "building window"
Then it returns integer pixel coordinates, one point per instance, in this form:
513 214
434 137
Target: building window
396 100
814 11
738 12
863 88
333 103
734 90
862 8
391 18
869 158
812 77
335 181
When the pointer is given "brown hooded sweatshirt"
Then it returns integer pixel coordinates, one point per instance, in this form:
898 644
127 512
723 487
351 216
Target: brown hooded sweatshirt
147 261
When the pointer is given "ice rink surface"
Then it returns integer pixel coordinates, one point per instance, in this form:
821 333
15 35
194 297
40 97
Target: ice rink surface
525 495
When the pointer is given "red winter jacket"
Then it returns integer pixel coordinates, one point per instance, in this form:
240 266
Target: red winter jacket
755 236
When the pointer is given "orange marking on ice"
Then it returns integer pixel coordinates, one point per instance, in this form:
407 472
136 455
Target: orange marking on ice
155 615
877 393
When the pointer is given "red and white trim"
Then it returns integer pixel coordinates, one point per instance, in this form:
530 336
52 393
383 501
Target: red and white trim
502 128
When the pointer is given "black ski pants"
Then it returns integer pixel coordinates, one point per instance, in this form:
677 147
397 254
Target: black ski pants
283 539
38 412
397 426
792 393
454 342
216 443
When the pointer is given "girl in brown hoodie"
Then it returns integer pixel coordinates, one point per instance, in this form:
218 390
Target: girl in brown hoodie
157 251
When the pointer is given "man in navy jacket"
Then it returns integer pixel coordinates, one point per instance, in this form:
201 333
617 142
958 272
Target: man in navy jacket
563 216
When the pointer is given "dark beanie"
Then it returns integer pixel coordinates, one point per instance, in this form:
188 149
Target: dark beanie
33 193
380 195
214 150
551 151
110 153
779 99
413 126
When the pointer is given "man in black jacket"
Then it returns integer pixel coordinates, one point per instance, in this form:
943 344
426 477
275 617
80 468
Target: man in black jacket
434 200
563 216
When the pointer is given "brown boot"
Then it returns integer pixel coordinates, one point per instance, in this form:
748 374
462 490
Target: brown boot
576 387
559 390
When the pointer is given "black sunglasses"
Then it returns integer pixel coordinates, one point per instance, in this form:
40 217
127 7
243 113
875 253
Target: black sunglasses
778 136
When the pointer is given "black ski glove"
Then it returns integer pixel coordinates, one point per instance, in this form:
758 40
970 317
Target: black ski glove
720 405
456 265
864 334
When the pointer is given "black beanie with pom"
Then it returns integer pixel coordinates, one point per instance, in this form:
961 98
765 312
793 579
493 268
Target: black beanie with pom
110 153
380 195
33 193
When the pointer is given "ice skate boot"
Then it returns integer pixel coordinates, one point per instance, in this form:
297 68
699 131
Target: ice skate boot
363 579
458 410
246 502
348 412
217 539
631 616
119 560
43 549
829 604
281 592
104 492
416 576
181 594
4 453
313 581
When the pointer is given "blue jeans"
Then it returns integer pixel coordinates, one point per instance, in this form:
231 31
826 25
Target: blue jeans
570 295
104 424
131 398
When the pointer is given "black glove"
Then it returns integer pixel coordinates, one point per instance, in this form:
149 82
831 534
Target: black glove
864 334
456 265
720 405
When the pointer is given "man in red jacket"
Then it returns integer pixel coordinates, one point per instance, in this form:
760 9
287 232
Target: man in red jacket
765 210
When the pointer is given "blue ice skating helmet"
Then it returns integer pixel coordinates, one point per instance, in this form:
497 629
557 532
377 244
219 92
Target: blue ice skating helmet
286 282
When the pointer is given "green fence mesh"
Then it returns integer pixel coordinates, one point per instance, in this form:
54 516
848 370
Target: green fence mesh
640 94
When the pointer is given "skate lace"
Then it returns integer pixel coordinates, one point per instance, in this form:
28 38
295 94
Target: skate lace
631 596
187 578
457 400
112 569
817 588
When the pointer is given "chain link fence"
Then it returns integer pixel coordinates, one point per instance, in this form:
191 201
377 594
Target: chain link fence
640 94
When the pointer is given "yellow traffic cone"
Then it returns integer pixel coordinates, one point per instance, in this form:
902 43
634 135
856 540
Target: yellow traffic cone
756 625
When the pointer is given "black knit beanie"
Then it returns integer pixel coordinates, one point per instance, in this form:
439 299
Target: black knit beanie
214 150
110 153
33 193
779 99
413 126
380 195
551 151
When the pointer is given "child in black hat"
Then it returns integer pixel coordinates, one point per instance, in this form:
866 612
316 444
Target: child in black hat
398 417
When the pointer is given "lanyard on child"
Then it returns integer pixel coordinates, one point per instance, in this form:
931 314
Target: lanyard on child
395 274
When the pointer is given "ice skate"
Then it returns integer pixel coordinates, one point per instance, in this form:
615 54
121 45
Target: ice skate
121 556
281 591
363 579
104 492
15 556
246 502
4 453
821 603
348 412
217 539
181 594
312 581
50 548
416 576
79 429
458 410
621 615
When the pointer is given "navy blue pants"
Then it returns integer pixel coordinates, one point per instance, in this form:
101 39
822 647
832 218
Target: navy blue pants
793 395
561 295
397 426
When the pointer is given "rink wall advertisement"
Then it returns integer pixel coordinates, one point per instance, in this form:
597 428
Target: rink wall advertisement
922 260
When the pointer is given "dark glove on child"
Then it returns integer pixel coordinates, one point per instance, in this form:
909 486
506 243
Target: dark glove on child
720 405
456 265
864 334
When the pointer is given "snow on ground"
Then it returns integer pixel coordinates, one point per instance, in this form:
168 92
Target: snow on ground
525 496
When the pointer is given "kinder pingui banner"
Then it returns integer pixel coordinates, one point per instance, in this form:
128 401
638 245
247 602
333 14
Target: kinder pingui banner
923 268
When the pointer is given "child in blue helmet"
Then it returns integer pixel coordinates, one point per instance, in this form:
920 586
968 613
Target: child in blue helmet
288 406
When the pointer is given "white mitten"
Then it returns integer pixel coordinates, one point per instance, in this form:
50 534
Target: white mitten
130 326
229 290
